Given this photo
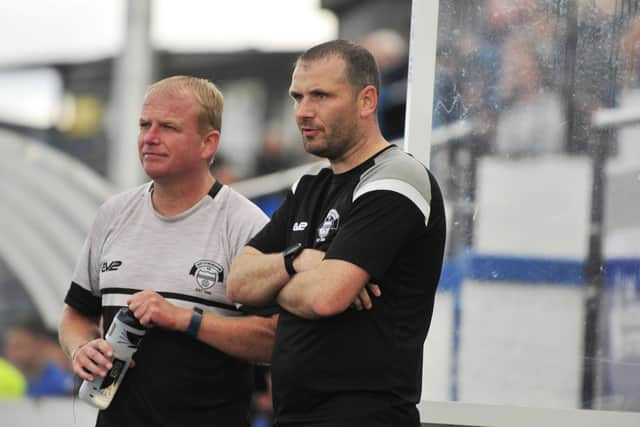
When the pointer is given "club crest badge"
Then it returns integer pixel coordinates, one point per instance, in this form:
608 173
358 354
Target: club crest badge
329 225
207 273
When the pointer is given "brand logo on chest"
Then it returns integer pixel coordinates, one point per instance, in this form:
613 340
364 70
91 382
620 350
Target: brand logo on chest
207 273
329 225
300 225
110 266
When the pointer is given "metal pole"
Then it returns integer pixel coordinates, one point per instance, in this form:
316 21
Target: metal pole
594 378
569 84
594 274
133 72
421 78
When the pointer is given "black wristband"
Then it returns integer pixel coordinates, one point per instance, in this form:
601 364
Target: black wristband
194 324
289 255
288 265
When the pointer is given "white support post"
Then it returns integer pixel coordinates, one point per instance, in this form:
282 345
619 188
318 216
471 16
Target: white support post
422 68
133 72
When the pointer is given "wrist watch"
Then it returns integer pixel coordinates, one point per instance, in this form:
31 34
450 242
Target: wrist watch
194 324
289 255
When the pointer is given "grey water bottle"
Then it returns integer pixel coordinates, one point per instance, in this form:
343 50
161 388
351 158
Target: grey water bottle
124 336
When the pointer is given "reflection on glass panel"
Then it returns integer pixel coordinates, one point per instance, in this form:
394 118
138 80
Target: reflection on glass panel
540 298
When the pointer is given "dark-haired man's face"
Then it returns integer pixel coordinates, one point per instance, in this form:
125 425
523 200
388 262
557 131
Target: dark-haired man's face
326 109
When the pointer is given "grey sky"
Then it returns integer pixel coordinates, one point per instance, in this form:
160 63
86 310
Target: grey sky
37 31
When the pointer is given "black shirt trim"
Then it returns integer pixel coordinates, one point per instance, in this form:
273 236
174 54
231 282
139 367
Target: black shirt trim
215 189
83 301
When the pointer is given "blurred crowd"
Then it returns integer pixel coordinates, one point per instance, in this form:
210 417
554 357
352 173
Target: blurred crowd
529 73
32 363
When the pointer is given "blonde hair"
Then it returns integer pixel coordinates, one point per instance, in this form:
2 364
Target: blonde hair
207 95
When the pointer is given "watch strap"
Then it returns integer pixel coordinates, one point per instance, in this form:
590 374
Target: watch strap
289 255
194 323
288 265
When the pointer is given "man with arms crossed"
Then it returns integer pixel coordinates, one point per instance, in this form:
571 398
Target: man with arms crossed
164 249
375 215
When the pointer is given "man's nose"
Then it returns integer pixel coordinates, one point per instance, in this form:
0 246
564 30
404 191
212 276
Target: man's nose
304 110
149 135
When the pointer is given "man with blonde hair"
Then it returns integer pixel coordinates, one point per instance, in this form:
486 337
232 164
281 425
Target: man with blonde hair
164 249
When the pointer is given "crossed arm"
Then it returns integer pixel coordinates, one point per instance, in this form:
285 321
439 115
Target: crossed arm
321 288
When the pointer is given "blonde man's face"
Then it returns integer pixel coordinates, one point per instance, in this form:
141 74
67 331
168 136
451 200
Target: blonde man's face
170 141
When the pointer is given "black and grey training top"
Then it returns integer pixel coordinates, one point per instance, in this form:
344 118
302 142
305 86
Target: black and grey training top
386 216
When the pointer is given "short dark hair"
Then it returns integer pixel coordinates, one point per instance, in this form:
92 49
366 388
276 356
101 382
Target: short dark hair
361 68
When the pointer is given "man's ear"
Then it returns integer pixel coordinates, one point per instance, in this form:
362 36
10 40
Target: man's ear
368 101
210 143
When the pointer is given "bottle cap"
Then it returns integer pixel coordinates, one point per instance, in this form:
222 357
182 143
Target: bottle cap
126 316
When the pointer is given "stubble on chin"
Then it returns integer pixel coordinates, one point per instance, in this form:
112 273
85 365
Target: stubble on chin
312 147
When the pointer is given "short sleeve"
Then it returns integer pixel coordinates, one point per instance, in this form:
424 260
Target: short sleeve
379 225
84 290
273 236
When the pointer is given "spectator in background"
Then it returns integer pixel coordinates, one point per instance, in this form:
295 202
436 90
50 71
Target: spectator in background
34 350
627 149
502 16
480 54
273 155
532 120
391 52
447 100
483 51
631 55
223 171
479 61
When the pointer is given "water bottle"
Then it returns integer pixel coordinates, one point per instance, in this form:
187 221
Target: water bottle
124 336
